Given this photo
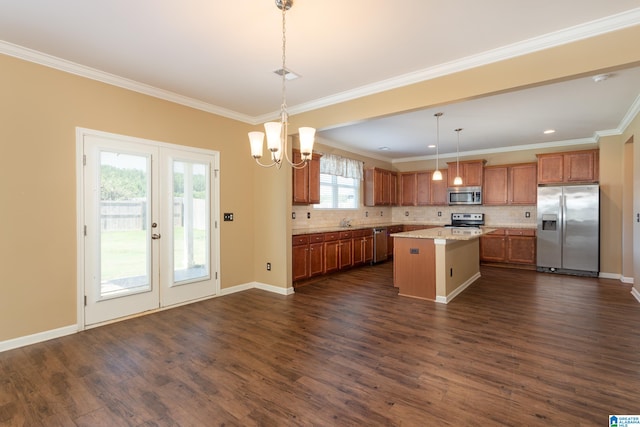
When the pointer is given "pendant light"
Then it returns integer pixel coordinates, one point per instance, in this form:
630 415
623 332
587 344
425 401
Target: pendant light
437 175
458 179
277 132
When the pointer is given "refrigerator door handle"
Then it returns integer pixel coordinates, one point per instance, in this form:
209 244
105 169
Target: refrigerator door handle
563 217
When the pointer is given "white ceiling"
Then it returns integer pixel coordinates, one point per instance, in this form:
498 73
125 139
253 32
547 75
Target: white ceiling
219 56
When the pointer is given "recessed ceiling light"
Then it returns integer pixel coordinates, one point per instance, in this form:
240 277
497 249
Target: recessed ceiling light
600 77
548 131
384 148
431 146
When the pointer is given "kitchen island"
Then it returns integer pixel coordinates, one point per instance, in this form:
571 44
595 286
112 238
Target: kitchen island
437 263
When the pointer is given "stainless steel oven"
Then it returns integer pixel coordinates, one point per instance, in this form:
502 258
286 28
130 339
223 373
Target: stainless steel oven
464 195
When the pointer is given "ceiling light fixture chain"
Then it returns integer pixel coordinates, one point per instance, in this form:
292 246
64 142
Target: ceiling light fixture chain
437 175
458 179
277 132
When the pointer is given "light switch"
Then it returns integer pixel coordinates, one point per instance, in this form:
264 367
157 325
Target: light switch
228 216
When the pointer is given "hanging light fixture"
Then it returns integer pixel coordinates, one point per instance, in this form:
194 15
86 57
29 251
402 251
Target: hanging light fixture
277 132
458 179
437 175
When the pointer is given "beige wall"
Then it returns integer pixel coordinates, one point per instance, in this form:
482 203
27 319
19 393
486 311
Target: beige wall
40 109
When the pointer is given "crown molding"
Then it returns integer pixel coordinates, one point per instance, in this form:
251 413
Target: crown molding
568 35
114 80
500 150
572 34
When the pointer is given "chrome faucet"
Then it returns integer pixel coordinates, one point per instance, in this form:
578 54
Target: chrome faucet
345 222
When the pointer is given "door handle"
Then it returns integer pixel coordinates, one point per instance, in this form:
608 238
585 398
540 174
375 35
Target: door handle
155 236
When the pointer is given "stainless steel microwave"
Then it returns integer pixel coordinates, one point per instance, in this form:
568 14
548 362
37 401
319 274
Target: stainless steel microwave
464 195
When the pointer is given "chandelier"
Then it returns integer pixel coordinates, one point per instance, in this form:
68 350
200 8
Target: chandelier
277 132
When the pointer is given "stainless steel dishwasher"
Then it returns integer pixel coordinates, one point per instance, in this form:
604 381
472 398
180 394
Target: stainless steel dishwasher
379 244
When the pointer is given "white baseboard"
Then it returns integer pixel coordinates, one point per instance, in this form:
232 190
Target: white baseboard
72 329
458 290
626 280
635 293
36 338
605 275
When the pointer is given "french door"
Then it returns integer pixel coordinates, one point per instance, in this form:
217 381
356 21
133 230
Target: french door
150 235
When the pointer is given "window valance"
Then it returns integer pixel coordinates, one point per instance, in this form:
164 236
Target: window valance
341 166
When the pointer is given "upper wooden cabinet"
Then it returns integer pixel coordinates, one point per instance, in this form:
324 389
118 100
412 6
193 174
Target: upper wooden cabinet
510 184
380 187
471 172
569 167
306 181
418 189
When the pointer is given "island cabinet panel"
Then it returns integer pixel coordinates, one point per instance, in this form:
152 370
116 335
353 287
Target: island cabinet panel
569 167
414 270
471 172
306 181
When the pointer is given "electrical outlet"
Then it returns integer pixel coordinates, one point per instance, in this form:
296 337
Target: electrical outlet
380 213
366 214
293 215
228 216
268 266
527 214
439 213
308 215
406 213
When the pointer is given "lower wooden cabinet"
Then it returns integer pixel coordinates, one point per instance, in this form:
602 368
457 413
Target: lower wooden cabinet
509 246
362 247
307 253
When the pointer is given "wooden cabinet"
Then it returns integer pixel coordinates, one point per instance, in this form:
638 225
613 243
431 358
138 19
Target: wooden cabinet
418 189
471 172
495 188
307 254
438 190
509 246
306 181
407 188
362 247
380 187
569 167
300 257
345 250
510 185
331 252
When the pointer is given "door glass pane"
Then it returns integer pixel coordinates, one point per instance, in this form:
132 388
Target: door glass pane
190 221
124 224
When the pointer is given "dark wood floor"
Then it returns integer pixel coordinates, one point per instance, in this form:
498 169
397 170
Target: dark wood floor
516 348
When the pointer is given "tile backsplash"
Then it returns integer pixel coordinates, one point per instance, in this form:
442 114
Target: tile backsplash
496 216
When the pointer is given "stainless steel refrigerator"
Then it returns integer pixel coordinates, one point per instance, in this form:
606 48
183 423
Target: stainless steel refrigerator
569 229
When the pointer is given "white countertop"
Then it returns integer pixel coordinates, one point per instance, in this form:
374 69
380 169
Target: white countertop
454 233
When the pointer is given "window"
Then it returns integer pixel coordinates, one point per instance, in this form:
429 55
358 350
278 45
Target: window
337 192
